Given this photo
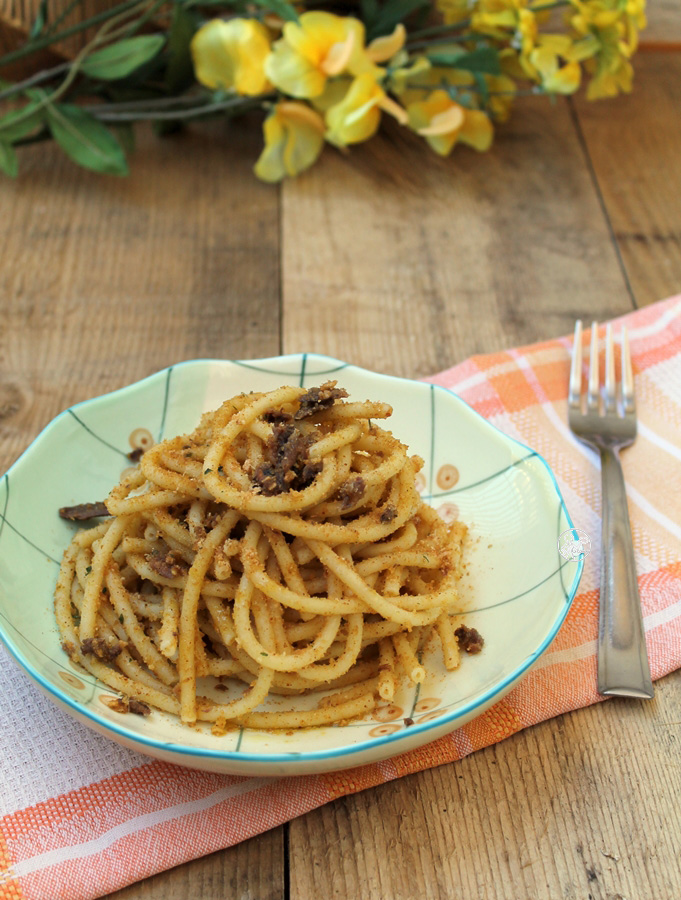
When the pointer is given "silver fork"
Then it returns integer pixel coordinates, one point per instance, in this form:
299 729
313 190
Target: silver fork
608 423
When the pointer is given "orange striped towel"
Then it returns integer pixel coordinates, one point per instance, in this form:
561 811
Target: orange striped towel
82 816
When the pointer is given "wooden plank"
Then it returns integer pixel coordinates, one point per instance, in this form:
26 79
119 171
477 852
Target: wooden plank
664 22
407 264
585 805
403 262
253 870
106 280
633 143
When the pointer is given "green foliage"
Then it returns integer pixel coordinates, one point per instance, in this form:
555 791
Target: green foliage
8 160
280 8
28 119
180 69
125 135
40 20
382 19
85 140
134 63
482 59
123 58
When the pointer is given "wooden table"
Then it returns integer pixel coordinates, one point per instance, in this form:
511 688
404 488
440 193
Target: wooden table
403 263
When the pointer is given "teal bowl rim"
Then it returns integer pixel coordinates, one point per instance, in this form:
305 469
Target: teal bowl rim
265 759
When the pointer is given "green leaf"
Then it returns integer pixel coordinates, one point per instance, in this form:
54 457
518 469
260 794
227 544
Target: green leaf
10 132
125 135
481 85
447 58
121 59
40 20
391 14
280 8
482 59
180 69
8 160
369 10
85 140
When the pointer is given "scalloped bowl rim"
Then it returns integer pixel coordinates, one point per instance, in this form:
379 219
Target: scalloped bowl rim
264 759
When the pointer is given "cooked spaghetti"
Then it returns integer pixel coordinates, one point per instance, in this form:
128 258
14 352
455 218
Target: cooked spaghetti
282 545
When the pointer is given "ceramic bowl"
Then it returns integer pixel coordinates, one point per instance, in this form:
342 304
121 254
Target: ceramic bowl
517 590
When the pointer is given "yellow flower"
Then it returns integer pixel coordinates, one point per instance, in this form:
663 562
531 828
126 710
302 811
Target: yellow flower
414 82
443 123
612 72
597 13
231 55
294 136
544 64
356 117
627 15
415 68
454 11
381 49
526 31
491 15
320 46
510 63
502 92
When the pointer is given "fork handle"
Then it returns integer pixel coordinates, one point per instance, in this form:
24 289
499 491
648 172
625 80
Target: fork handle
623 668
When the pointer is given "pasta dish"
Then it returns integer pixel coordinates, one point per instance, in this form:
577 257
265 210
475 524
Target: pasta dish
282 548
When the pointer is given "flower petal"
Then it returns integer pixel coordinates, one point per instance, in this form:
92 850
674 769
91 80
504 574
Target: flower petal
231 55
338 56
292 73
213 64
382 49
294 137
444 122
270 165
357 116
477 130
565 81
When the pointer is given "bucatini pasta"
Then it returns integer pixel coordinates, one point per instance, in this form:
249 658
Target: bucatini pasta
282 546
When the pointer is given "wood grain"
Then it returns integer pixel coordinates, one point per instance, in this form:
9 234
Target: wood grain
112 279
457 257
664 22
400 261
253 869
582 806
107 280
633 143
405 263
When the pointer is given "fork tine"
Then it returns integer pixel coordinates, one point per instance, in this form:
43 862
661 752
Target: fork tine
575 391
610 385
593 393
627 374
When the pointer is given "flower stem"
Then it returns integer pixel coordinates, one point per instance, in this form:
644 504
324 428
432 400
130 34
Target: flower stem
63 15
151 103
207 109
439 29
31 46
38 78
451 39
105 33
553 5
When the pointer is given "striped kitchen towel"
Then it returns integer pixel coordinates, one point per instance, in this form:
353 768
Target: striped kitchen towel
81 816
